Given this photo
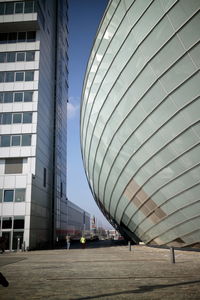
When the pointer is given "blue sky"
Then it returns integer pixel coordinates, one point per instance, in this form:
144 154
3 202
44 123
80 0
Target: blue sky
84 19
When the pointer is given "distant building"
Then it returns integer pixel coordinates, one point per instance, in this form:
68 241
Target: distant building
33 120
140 120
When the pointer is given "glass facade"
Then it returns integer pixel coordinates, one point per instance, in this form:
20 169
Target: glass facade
140 129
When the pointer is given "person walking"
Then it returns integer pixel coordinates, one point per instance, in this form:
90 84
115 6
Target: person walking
68 241
83 242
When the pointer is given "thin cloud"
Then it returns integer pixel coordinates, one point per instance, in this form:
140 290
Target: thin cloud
72 110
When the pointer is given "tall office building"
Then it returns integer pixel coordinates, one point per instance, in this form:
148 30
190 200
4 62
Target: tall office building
140 120
33 107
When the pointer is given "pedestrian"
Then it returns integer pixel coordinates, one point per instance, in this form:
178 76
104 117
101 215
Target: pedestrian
68 241
83 242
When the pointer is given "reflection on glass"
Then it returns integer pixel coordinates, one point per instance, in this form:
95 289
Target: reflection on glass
20 195
15 141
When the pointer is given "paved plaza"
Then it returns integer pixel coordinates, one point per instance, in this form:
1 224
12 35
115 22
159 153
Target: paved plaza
101 273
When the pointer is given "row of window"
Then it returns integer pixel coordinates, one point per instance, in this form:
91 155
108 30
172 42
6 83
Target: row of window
16 76
17 37
15 195
17 56
15 118
12 223
9 8
15 140
9 97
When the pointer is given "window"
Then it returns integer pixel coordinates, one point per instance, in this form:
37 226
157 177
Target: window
29 7
13 165
26 140
10 56
1 195
7 223
21 37
12 37
19 76
2 57
9 77
20 56
17 118
27 117
30 56
2 6
5 141
18 223
28 96
31 35
8 97
19 7
18 97
8 195
44 177
3 37
7 118
9 8
29 76
2 76
16 140
1 97
20 195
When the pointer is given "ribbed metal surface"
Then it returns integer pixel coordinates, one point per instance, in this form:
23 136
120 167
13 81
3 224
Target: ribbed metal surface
140 129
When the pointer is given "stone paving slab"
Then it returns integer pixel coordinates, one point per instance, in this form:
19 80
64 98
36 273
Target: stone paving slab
101 273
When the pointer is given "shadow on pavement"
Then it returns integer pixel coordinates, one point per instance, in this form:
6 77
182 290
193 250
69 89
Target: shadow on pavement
141 289
97 244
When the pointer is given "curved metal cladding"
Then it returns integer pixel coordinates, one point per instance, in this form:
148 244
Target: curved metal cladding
140 119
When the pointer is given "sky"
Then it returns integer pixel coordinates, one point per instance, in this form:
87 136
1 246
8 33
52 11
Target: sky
84 19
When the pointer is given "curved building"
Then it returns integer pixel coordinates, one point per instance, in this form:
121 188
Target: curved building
140 120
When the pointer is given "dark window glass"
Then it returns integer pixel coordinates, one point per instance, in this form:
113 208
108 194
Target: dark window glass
8 97
29 8
28 96
5 141
1 118
2 6
19 7
20 56
26 140
8 195
9 77
30 55
15 141
9 8
18 223
18 97
3 37
1 97
1 195
31 35
7 222
7 118
2 76
29 76
12 37
2 57
20 195
11 56
21 36
19 76
27 117
45 177
17 118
